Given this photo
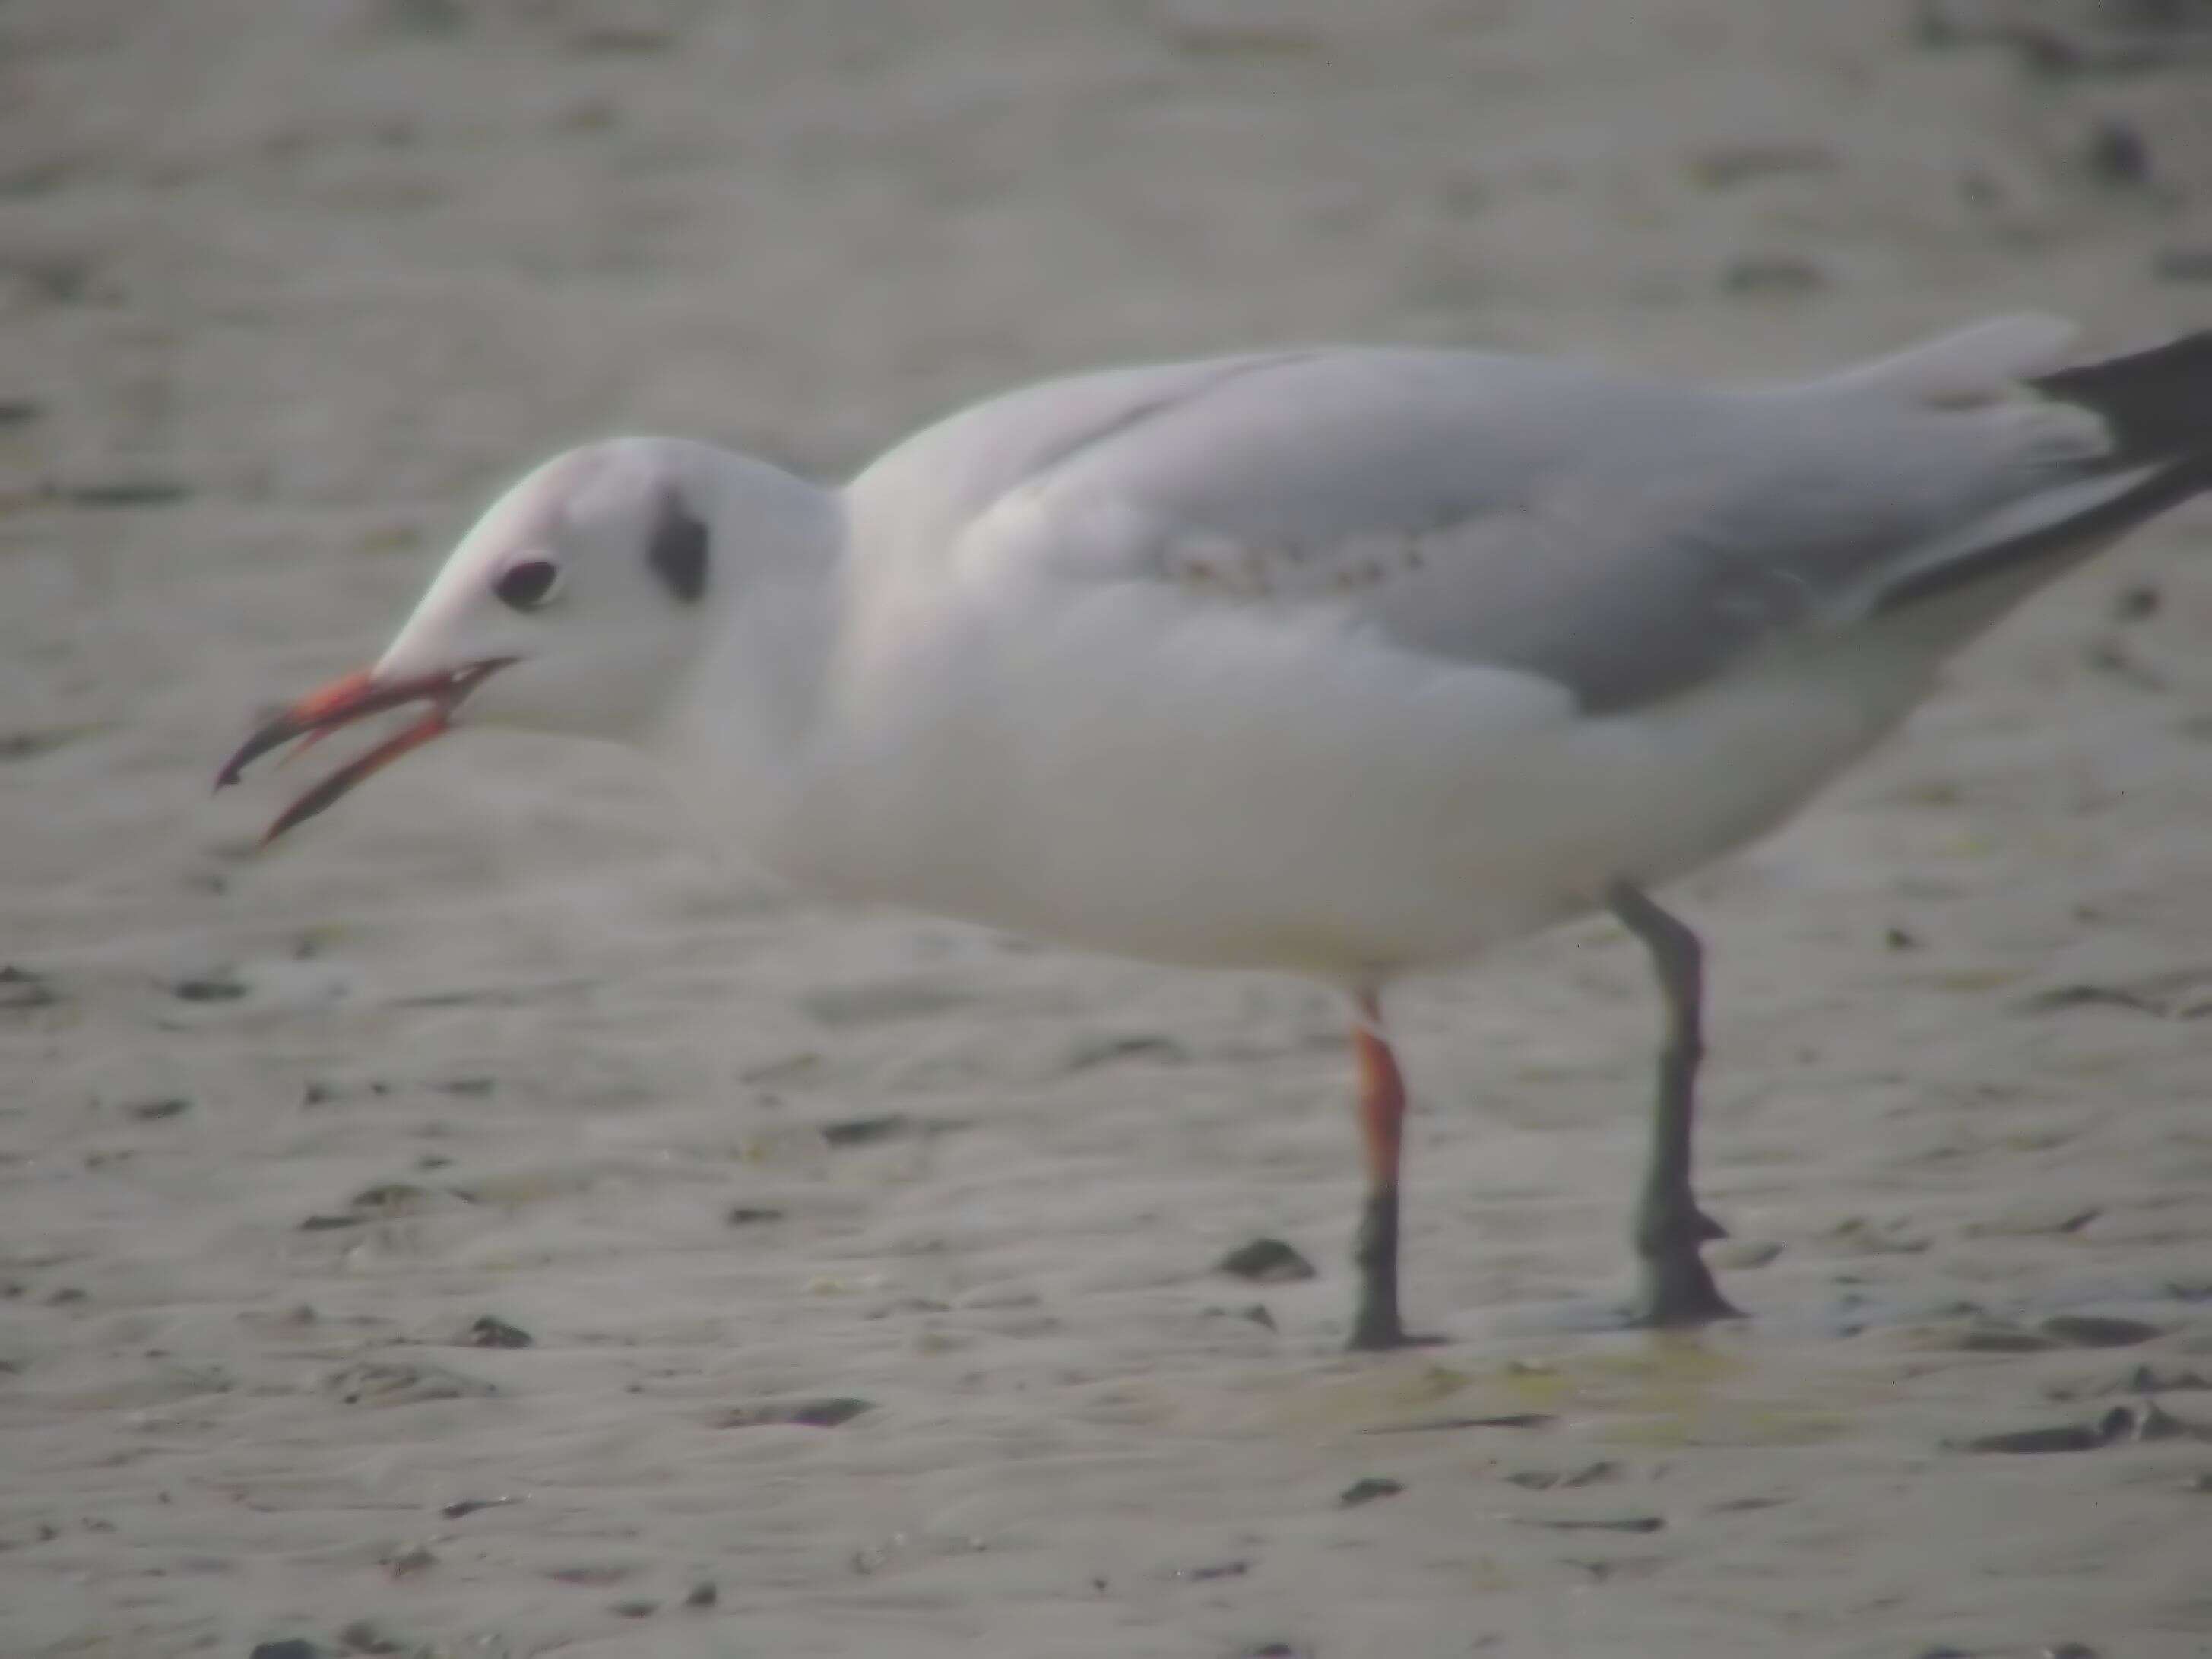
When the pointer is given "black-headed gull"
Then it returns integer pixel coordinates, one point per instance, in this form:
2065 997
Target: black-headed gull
1339 662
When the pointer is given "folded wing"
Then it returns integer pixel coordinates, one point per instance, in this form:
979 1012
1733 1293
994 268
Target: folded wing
1623 537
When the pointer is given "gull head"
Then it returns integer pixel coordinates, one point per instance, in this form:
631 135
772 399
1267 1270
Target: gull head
578 605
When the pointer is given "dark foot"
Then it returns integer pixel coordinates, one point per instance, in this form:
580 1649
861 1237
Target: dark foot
1706 1228
1376 1327
1678 1291
1379 1335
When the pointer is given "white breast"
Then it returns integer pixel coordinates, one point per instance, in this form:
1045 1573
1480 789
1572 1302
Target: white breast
1118 769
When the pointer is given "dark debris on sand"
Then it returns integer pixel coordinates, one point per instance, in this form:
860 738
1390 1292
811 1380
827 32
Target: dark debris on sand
1265 1261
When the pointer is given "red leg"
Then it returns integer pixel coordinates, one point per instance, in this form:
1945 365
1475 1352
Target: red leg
1382 1116
1382 1097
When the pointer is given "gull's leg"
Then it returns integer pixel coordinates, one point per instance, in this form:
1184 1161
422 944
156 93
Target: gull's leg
1381 1115
1677 1289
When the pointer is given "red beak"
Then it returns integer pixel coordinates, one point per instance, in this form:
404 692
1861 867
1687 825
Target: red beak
344 701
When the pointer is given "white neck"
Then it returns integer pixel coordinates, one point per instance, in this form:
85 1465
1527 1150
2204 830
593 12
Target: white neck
740 730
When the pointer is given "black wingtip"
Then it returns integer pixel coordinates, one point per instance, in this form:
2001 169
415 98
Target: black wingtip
2073 537
2158 402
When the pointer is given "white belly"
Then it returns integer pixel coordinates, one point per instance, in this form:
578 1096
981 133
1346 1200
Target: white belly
1212 792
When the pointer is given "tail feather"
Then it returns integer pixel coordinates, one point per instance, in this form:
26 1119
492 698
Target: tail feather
2157 405
1978 364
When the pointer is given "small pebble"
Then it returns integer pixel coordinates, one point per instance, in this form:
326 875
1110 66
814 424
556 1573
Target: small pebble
366 1636
153 1111
595 1576
393 1197
213 987
1213 1571
460 1507
2137 602
1746 1505
863 1131
1431 1424
489 1332
1638 1523
752 1215
2069 1650
1546 1479
823 1413
1367 1489
704 1594
1265 1261
641 1607
2098 1331
410 1561
21 988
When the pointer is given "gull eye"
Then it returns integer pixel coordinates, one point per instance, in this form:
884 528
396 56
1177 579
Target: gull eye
528 584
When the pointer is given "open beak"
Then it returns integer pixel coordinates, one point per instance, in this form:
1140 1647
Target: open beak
344 701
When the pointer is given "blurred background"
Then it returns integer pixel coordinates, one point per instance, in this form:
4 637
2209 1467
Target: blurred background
404 246
289 289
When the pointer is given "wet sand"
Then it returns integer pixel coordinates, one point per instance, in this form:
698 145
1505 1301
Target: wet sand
287 292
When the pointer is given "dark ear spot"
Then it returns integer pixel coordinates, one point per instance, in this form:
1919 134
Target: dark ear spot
678 552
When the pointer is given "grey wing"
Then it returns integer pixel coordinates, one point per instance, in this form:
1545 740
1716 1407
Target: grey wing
1625 538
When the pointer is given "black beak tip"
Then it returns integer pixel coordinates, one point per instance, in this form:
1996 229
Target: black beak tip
274 735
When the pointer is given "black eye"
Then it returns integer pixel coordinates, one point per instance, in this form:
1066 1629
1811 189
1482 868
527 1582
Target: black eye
527 585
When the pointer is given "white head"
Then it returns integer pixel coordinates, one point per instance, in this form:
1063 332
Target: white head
580 603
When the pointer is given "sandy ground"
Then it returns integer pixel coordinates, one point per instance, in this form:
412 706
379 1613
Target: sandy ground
288 289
